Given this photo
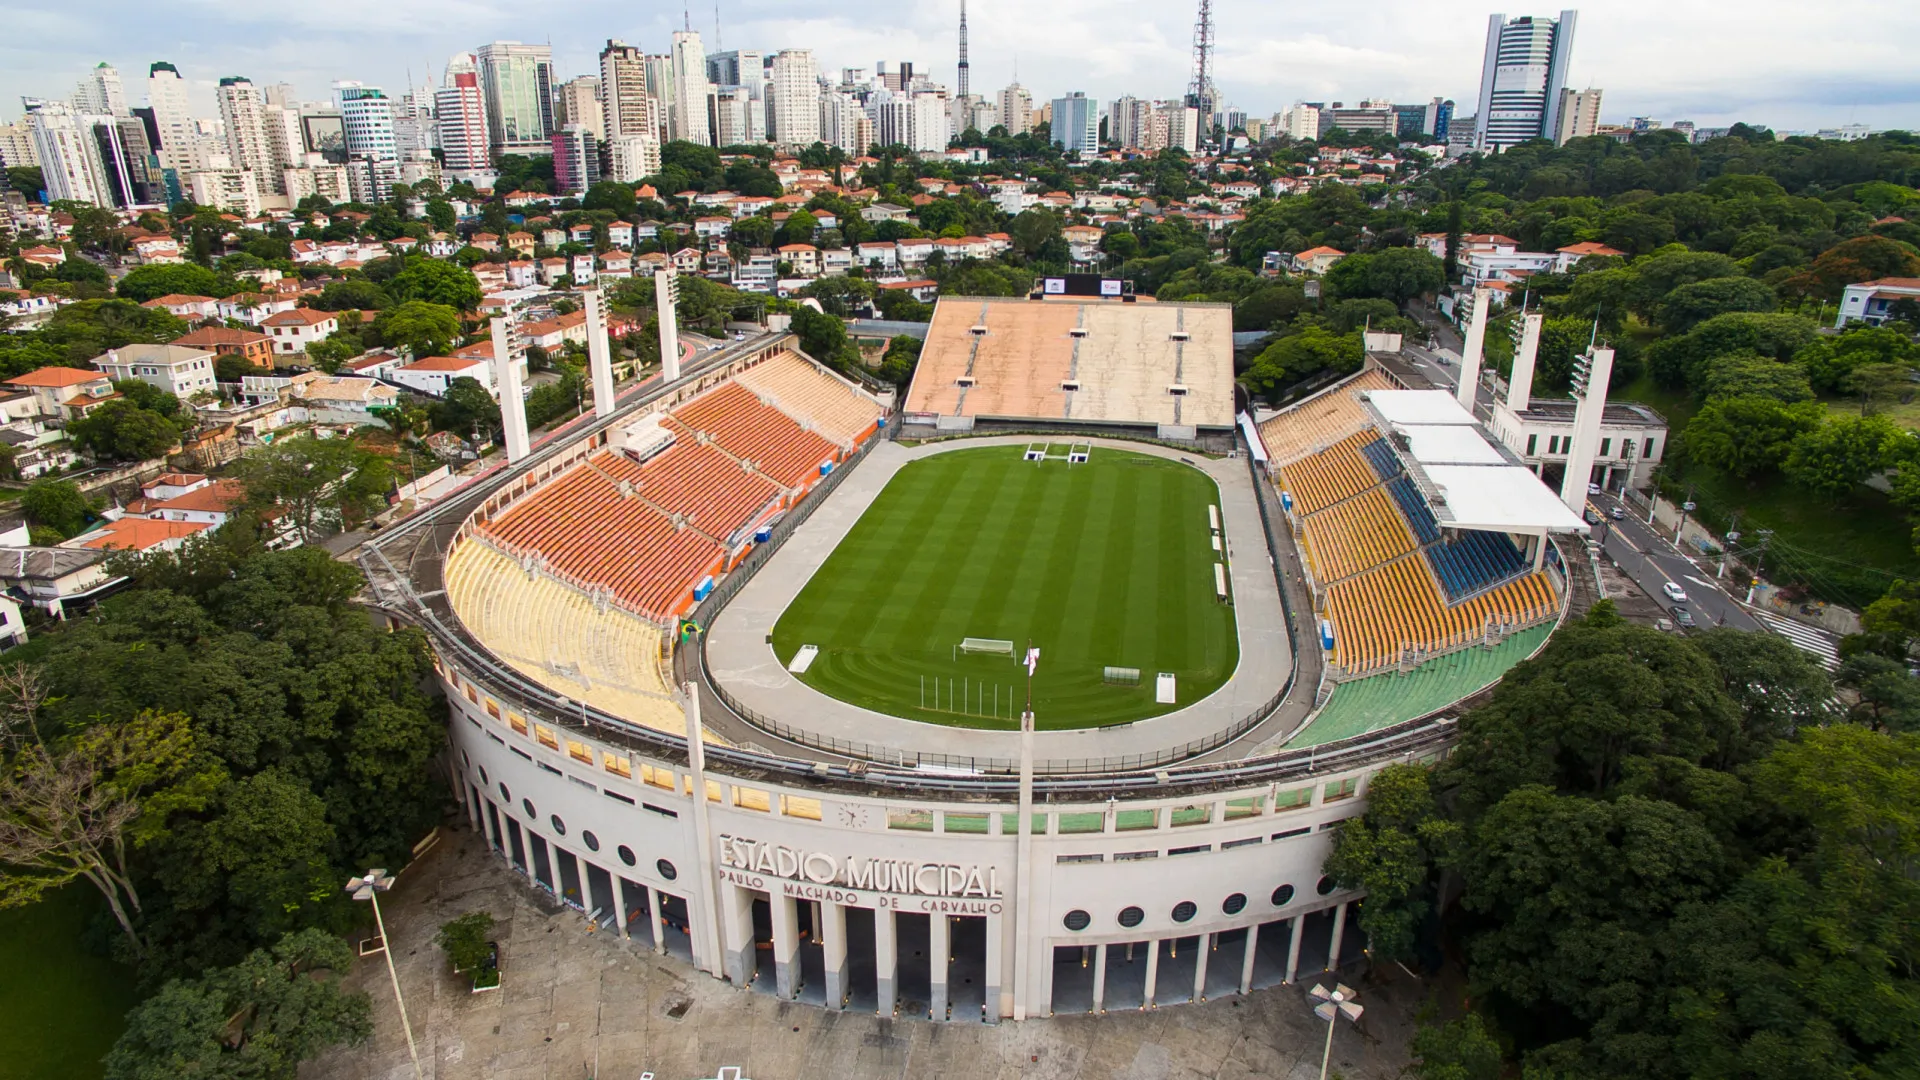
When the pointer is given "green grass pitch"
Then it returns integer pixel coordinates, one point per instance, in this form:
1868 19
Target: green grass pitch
1108 563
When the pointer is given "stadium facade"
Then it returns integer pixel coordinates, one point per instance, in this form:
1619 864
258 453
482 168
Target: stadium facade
564 597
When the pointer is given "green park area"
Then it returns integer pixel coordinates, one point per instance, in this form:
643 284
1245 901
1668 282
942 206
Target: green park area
62 1004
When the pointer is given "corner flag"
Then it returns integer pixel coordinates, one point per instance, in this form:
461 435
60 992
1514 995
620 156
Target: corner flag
1033 661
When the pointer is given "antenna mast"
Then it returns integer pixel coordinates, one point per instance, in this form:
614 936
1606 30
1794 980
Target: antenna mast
963 49
1201 94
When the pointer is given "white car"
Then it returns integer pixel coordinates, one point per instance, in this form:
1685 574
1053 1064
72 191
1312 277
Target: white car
1674 592
1593 489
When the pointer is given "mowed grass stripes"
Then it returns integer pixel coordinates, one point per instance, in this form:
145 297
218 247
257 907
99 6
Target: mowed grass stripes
1109 563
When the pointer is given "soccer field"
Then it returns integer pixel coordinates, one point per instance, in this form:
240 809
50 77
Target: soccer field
1108 563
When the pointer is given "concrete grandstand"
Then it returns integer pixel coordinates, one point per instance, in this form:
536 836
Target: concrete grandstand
1076 361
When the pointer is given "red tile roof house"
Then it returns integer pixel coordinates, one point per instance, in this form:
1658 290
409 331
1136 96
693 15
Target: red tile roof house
292 331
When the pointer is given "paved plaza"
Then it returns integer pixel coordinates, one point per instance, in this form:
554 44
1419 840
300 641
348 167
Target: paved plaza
580 1005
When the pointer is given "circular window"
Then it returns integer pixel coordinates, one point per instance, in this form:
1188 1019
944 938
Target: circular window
1131 916
666 869
1185 910
1077 920
1326 886
483 776
592 841
527 805
1283 896
559 827
625 853
505 795
1235 904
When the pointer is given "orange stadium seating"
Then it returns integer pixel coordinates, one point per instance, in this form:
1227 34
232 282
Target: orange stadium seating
1378 613
1354 536
714 492
1319 421
834 407
1336 473
748 429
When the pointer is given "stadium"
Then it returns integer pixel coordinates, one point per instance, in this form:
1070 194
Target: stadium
1218 623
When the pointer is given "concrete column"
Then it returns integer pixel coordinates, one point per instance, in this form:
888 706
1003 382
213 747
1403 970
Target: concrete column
599 353
996 948
658 920
1339 937
1200 968
665 292
1591 374
1471 353
473 809
1246 962
786 946
1100 979
886 960
1153 971
939 954
736 908
1023 876
1293 949
833 951
506 380
1520 389
706 937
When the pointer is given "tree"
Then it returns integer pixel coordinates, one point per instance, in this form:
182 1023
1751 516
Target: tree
1461 1049
1863 258
1270 306
466 407
233 367
1830 361
464 940
1887 696
435 281
609 195
122 431
1389 851
1300 355
143 283
65 811
1401 274
903 353
1749 436
257 1020
1778 688
426 328
1033 229
1834 459
799 228
1682 360
1692 304
1747 374
57 504
754 232
353 294
320 485
823 337
1876 384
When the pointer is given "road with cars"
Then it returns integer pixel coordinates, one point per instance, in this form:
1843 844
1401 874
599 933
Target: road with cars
1649 557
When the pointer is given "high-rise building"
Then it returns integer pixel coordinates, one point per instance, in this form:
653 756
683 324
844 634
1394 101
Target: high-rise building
663 91
243 114
1130 123
373 154
1076 123
579 103
690 89
1183 125
1016 109
576 159
69 154
167 97
632 157
16 146
460 115
101 92
286 146
793 99
1366 116
739 67
1521 77
733 115
1302 121
892 115
844 122
626 107
1579 115
1438 119
281 96
740 78
516 82
930 124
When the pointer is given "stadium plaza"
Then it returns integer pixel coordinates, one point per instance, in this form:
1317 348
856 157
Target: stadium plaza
1167 860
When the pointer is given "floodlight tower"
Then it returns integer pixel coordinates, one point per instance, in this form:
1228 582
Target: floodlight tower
1520 387
1472 351
599 354
506 381
666 294
1592 371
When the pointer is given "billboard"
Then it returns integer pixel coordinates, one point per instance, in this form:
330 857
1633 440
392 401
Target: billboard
1085 285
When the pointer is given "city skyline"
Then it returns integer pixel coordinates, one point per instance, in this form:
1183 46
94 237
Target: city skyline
1648 65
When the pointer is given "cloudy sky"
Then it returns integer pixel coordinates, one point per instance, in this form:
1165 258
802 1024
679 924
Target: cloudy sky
1768 61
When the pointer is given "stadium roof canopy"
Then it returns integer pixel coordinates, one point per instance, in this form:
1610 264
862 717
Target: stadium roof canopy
1472 481
1094 361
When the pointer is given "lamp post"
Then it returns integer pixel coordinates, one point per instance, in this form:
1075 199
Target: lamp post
369 888
1332 1006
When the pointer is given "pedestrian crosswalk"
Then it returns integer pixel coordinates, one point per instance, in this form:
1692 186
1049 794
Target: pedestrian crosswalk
1818 642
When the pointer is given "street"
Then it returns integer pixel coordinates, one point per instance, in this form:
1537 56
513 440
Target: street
1651 560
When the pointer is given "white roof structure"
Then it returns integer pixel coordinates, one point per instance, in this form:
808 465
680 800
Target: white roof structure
1504 497
1448 454
1417 407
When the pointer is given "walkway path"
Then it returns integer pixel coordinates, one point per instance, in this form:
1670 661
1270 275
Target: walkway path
743 663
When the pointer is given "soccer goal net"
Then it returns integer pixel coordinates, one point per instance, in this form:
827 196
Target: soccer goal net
986 645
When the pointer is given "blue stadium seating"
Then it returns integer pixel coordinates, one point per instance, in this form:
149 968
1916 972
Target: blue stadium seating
1473 561
1414 508
1380 456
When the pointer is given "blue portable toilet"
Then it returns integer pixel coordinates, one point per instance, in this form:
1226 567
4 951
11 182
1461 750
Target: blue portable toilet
763 534
826 467
1326 634
1286 501
701 590
881 423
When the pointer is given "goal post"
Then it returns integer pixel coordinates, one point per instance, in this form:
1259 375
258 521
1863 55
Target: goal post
986 645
